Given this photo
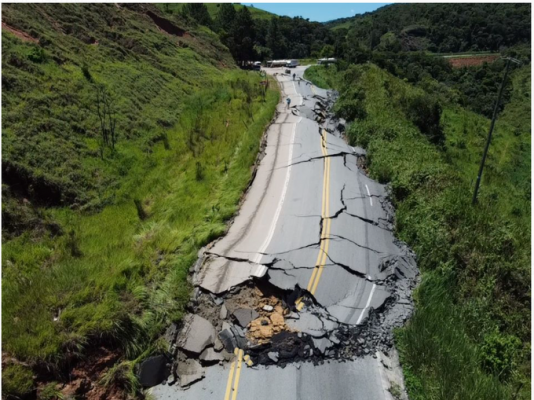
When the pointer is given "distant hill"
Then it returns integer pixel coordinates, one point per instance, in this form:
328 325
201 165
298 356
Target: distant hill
440 28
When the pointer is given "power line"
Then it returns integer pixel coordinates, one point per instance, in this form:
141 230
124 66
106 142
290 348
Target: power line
495 111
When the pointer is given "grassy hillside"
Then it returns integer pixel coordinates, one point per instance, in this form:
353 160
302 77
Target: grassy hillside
98 238
213 9
470 336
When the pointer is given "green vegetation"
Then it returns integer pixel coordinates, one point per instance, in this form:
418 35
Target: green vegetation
213 9
470 335
98 237
440 28
17 380
325 76
251 34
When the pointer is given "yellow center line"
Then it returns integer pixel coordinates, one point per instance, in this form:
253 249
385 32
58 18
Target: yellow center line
327 222
325 232
237 374
230 377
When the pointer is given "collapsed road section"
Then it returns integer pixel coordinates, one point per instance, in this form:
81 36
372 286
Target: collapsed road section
310 269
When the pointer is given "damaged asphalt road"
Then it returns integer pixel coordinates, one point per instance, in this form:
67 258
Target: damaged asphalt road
309 277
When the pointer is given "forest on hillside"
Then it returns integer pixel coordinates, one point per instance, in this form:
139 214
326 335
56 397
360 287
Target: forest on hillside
390 37
440 28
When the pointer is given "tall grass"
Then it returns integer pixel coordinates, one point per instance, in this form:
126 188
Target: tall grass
470 335
130 278
443 362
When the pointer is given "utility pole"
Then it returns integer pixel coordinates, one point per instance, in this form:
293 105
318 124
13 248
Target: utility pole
495 111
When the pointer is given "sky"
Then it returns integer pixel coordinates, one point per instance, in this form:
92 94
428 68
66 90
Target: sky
320 12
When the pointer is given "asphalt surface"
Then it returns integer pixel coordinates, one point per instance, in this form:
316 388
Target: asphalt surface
311 219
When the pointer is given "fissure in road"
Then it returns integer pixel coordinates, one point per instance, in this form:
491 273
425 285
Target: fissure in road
309 272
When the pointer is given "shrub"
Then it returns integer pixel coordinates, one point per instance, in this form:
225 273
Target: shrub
37 55
425 112
17 381
498 353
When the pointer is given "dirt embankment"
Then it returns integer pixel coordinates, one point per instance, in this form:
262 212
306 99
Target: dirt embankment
18 33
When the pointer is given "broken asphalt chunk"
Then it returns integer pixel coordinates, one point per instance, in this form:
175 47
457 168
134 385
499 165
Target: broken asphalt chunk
232 337
209 355
197 334
273 355
189 372
244 316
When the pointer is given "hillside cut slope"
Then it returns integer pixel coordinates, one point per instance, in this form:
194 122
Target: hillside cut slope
128 139
52 57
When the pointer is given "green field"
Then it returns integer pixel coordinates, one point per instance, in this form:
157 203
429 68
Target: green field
97 249
470 335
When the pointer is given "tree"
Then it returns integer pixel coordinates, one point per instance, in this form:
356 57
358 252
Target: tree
274 39
327 51
199 12
244 36
225 19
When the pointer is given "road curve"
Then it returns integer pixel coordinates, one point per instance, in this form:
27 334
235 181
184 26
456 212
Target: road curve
313 220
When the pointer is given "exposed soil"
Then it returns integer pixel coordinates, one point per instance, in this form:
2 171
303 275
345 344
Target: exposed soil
83 379
474 61
18 33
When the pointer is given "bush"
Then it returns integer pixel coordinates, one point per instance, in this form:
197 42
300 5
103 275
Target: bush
17 381
498 353
37 55
425 112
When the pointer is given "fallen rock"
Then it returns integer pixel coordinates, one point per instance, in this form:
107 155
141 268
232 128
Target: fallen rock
268 308
244 316
189 371
209 355
153 371
197 334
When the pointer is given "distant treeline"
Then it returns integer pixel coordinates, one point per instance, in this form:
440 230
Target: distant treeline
250 38
440 28
437 28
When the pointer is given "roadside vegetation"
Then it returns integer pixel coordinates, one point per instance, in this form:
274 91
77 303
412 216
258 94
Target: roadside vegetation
470 335
102 220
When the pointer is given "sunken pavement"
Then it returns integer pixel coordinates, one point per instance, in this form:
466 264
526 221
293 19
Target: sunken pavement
318 275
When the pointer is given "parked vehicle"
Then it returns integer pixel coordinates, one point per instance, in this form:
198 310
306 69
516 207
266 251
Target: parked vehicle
292 63
277 63
326 61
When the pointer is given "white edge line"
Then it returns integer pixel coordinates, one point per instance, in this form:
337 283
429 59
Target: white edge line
262 268
369 194
301 98
366 305
384 380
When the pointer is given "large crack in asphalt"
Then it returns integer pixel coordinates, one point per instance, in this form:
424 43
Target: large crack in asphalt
262 317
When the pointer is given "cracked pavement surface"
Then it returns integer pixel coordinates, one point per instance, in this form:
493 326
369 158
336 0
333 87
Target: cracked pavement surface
319 232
